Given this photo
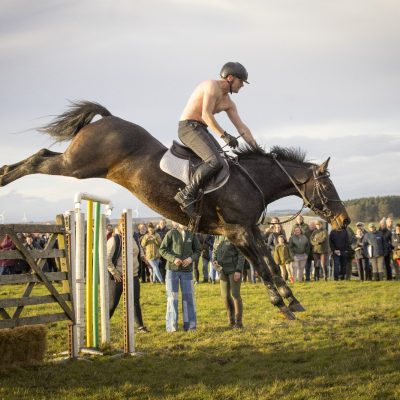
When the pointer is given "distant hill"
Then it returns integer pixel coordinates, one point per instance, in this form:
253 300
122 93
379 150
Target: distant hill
373 208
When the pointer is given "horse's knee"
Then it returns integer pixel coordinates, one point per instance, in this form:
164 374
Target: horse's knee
274 296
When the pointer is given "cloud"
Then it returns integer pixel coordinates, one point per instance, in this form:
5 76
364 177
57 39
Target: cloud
324 76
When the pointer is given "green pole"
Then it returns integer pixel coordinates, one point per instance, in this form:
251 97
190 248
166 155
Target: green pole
96 276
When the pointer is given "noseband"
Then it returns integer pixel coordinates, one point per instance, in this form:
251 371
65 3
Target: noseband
317 194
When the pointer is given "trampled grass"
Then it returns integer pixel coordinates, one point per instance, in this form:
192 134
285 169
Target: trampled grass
346 346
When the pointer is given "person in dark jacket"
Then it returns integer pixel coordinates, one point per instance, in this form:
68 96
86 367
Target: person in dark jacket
273 237
364 271
375 248
229 262
339 243
387 259
181 249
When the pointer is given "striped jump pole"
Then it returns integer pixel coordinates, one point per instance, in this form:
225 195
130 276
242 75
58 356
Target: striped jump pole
96 271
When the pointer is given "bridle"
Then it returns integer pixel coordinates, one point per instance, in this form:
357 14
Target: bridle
318 193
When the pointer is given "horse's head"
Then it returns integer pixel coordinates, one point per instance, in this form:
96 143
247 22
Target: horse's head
323 198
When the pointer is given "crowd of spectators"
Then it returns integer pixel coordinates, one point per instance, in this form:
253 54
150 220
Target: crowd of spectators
309 252
32 241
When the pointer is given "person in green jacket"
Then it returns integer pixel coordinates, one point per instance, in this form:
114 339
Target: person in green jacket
229 262
319 240
180 248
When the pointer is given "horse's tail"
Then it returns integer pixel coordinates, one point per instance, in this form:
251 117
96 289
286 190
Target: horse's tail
67 125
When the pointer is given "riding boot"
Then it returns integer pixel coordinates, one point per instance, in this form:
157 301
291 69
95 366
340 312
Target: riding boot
187 197
230 311
238 313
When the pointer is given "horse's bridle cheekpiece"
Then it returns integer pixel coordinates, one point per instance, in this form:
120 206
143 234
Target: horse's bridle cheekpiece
318 193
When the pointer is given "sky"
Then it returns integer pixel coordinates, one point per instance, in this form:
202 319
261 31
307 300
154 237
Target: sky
324 76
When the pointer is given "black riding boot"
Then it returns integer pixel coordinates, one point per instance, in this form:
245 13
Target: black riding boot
187 197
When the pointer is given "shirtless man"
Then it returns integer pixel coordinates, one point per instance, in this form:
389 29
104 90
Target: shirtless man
209 98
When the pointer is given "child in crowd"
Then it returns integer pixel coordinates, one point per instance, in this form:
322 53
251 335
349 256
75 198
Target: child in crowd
283 258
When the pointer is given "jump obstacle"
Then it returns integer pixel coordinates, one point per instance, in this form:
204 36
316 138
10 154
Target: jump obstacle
70 233
97 297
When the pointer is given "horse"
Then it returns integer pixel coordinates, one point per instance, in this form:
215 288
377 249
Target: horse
128 155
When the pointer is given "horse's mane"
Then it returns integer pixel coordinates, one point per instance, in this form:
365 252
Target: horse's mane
293 154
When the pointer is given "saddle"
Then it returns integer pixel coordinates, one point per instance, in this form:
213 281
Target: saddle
180 162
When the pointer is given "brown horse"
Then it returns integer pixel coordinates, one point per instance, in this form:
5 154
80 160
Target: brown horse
127 154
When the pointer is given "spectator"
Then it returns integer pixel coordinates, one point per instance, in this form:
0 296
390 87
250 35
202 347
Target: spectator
350 253
205 253
180 248
375 248
302 225
151 242
162 230
320 250
270 228
364 272
310 259
299 246
361 226
109 231
284 259
339 244
396 251
144 271
229 262
387 259
7 267
273 237
115 283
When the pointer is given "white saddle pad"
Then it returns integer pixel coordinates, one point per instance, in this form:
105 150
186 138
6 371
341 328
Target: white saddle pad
179 169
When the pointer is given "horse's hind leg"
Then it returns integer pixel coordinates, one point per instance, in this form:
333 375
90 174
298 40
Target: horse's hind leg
43 162
43 153
244 239
280 283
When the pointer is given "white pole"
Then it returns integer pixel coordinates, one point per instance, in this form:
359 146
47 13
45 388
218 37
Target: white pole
104 294
72 271
130 310
80 276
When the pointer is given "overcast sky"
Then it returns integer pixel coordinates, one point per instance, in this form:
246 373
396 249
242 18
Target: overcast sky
325 76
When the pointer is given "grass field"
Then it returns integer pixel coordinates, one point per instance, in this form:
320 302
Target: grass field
346 346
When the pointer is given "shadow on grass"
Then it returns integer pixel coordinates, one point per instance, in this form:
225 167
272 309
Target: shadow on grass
208 371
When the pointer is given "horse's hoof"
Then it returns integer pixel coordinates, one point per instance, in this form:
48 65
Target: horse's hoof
287 313
296 307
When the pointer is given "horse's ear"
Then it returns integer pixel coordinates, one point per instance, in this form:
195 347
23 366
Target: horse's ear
323 167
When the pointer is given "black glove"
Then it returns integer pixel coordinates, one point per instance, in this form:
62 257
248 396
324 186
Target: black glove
230 140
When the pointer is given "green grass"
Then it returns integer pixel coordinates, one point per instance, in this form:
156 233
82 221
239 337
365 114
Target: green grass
346 346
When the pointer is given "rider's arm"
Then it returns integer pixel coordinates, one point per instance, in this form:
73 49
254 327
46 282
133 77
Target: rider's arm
243 130
209 99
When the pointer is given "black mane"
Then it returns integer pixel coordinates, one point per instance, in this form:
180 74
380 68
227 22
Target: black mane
282 153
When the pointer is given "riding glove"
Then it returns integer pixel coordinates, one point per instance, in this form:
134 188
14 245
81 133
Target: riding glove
230 140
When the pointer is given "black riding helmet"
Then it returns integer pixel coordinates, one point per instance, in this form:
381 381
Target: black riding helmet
235 69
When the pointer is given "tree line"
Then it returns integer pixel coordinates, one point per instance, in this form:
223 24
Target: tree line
373 208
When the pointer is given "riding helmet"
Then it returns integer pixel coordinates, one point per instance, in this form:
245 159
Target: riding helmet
235 69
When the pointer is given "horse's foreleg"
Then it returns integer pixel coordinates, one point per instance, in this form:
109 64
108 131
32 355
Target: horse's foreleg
244 239
280 283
